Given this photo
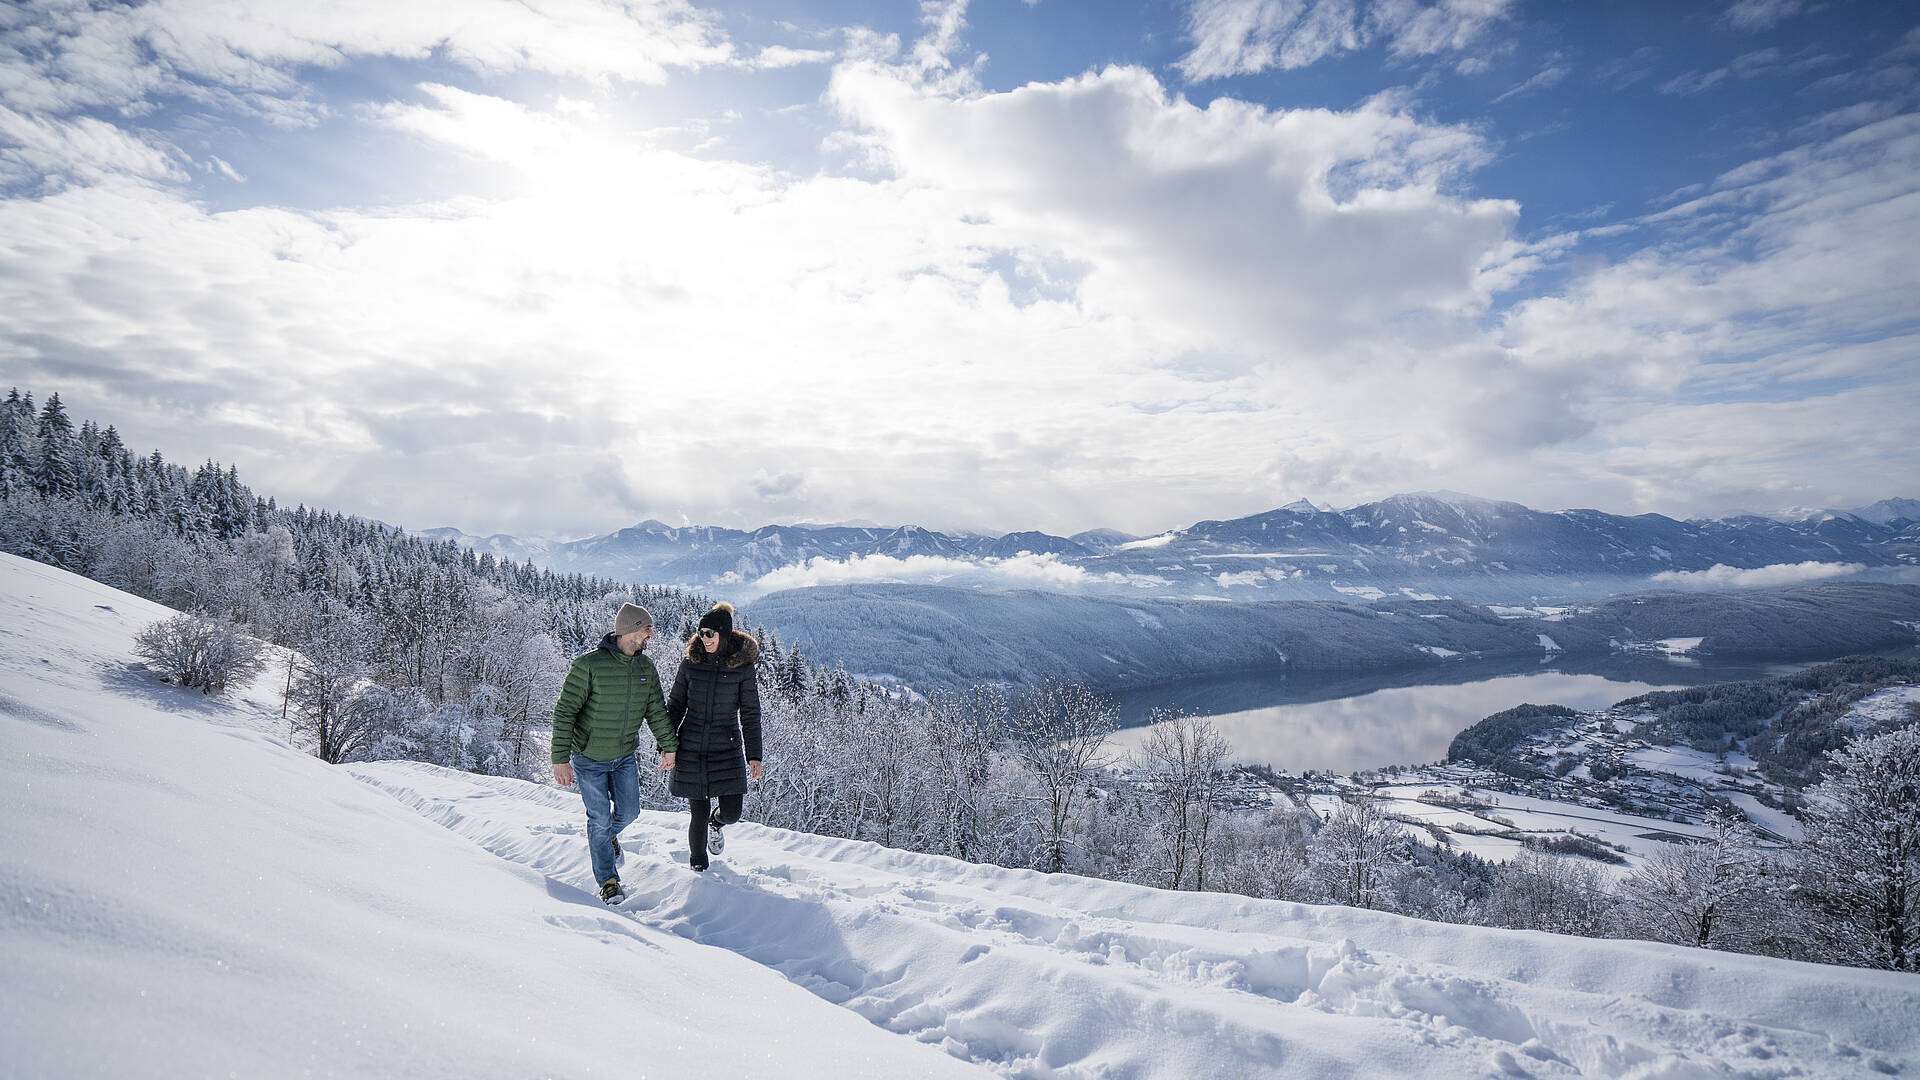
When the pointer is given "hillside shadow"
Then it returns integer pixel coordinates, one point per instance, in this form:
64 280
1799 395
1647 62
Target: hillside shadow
33 714
134 680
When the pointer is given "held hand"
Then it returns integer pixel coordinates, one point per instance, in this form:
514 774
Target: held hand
753 767
563 774
666 760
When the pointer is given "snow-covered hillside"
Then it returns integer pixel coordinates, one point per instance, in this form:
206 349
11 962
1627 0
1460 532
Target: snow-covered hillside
184 894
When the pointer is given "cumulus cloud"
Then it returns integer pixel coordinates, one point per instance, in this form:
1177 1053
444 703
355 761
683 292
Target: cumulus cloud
1236 37
1721 576
1342 218
773 57
1076 303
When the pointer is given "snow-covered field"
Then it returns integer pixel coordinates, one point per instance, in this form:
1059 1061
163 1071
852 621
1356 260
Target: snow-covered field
184 894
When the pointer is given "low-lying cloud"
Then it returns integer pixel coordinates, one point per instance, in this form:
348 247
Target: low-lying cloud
1025 570
1721 575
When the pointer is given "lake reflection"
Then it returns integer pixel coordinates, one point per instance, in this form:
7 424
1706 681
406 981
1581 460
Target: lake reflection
1406 725
1352 720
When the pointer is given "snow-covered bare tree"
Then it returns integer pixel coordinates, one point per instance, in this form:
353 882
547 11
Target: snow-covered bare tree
376 723
331 667
964 731
1715 893
1357 853
889 755
1058 731
1182 767
1860 864
1269 856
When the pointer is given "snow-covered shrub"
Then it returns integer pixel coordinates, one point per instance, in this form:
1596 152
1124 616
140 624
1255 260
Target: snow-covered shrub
1552 892
1268 856
199 652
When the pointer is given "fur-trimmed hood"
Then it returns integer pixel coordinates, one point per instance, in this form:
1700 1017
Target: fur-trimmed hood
743 648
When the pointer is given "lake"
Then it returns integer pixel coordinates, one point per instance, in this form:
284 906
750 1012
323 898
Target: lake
1348 722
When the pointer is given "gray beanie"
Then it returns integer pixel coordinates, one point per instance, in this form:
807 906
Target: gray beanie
632 617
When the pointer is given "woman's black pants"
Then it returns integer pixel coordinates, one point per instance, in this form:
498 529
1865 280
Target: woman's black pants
730 807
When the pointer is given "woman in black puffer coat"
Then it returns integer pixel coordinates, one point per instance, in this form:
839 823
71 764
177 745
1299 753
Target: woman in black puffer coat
715 708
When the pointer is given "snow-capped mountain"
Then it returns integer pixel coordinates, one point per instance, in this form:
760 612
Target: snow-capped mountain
1889 511
189 894
1426 542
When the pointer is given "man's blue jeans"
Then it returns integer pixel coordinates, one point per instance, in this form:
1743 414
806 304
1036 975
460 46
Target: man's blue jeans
611 790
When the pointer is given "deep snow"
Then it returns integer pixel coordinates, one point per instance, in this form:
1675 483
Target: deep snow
183 894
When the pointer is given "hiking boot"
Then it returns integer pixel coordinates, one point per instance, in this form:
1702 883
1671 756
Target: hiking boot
698 865
618 855
610 891
716 843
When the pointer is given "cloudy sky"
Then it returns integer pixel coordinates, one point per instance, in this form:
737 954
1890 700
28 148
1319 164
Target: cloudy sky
555 266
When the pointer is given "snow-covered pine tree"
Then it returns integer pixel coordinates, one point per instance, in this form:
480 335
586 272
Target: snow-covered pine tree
56 466
17 443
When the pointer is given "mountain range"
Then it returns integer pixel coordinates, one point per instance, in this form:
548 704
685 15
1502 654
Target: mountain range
1411 545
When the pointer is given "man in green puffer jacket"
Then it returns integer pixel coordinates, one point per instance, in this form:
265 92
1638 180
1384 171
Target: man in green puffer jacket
596 733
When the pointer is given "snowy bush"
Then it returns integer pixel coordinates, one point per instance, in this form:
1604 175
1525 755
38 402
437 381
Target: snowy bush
1269 857
199 652
1552 892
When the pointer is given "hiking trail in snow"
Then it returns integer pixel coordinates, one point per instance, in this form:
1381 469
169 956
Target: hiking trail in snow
1036 975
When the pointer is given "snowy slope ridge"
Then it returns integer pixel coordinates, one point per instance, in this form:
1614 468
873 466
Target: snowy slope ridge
185 894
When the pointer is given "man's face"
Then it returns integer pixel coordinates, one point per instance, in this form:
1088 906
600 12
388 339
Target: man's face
634 642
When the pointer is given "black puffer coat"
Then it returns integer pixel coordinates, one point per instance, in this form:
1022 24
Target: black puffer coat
715 708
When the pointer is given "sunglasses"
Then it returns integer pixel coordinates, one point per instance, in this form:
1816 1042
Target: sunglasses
710 633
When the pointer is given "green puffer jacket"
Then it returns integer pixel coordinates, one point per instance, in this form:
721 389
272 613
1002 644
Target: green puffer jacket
606 695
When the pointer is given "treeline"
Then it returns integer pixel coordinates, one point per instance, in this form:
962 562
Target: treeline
397 647
401 648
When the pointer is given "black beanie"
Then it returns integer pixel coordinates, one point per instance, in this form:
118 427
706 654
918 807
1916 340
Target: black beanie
720 618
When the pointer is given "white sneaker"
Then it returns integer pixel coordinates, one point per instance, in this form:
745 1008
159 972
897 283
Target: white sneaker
716 843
